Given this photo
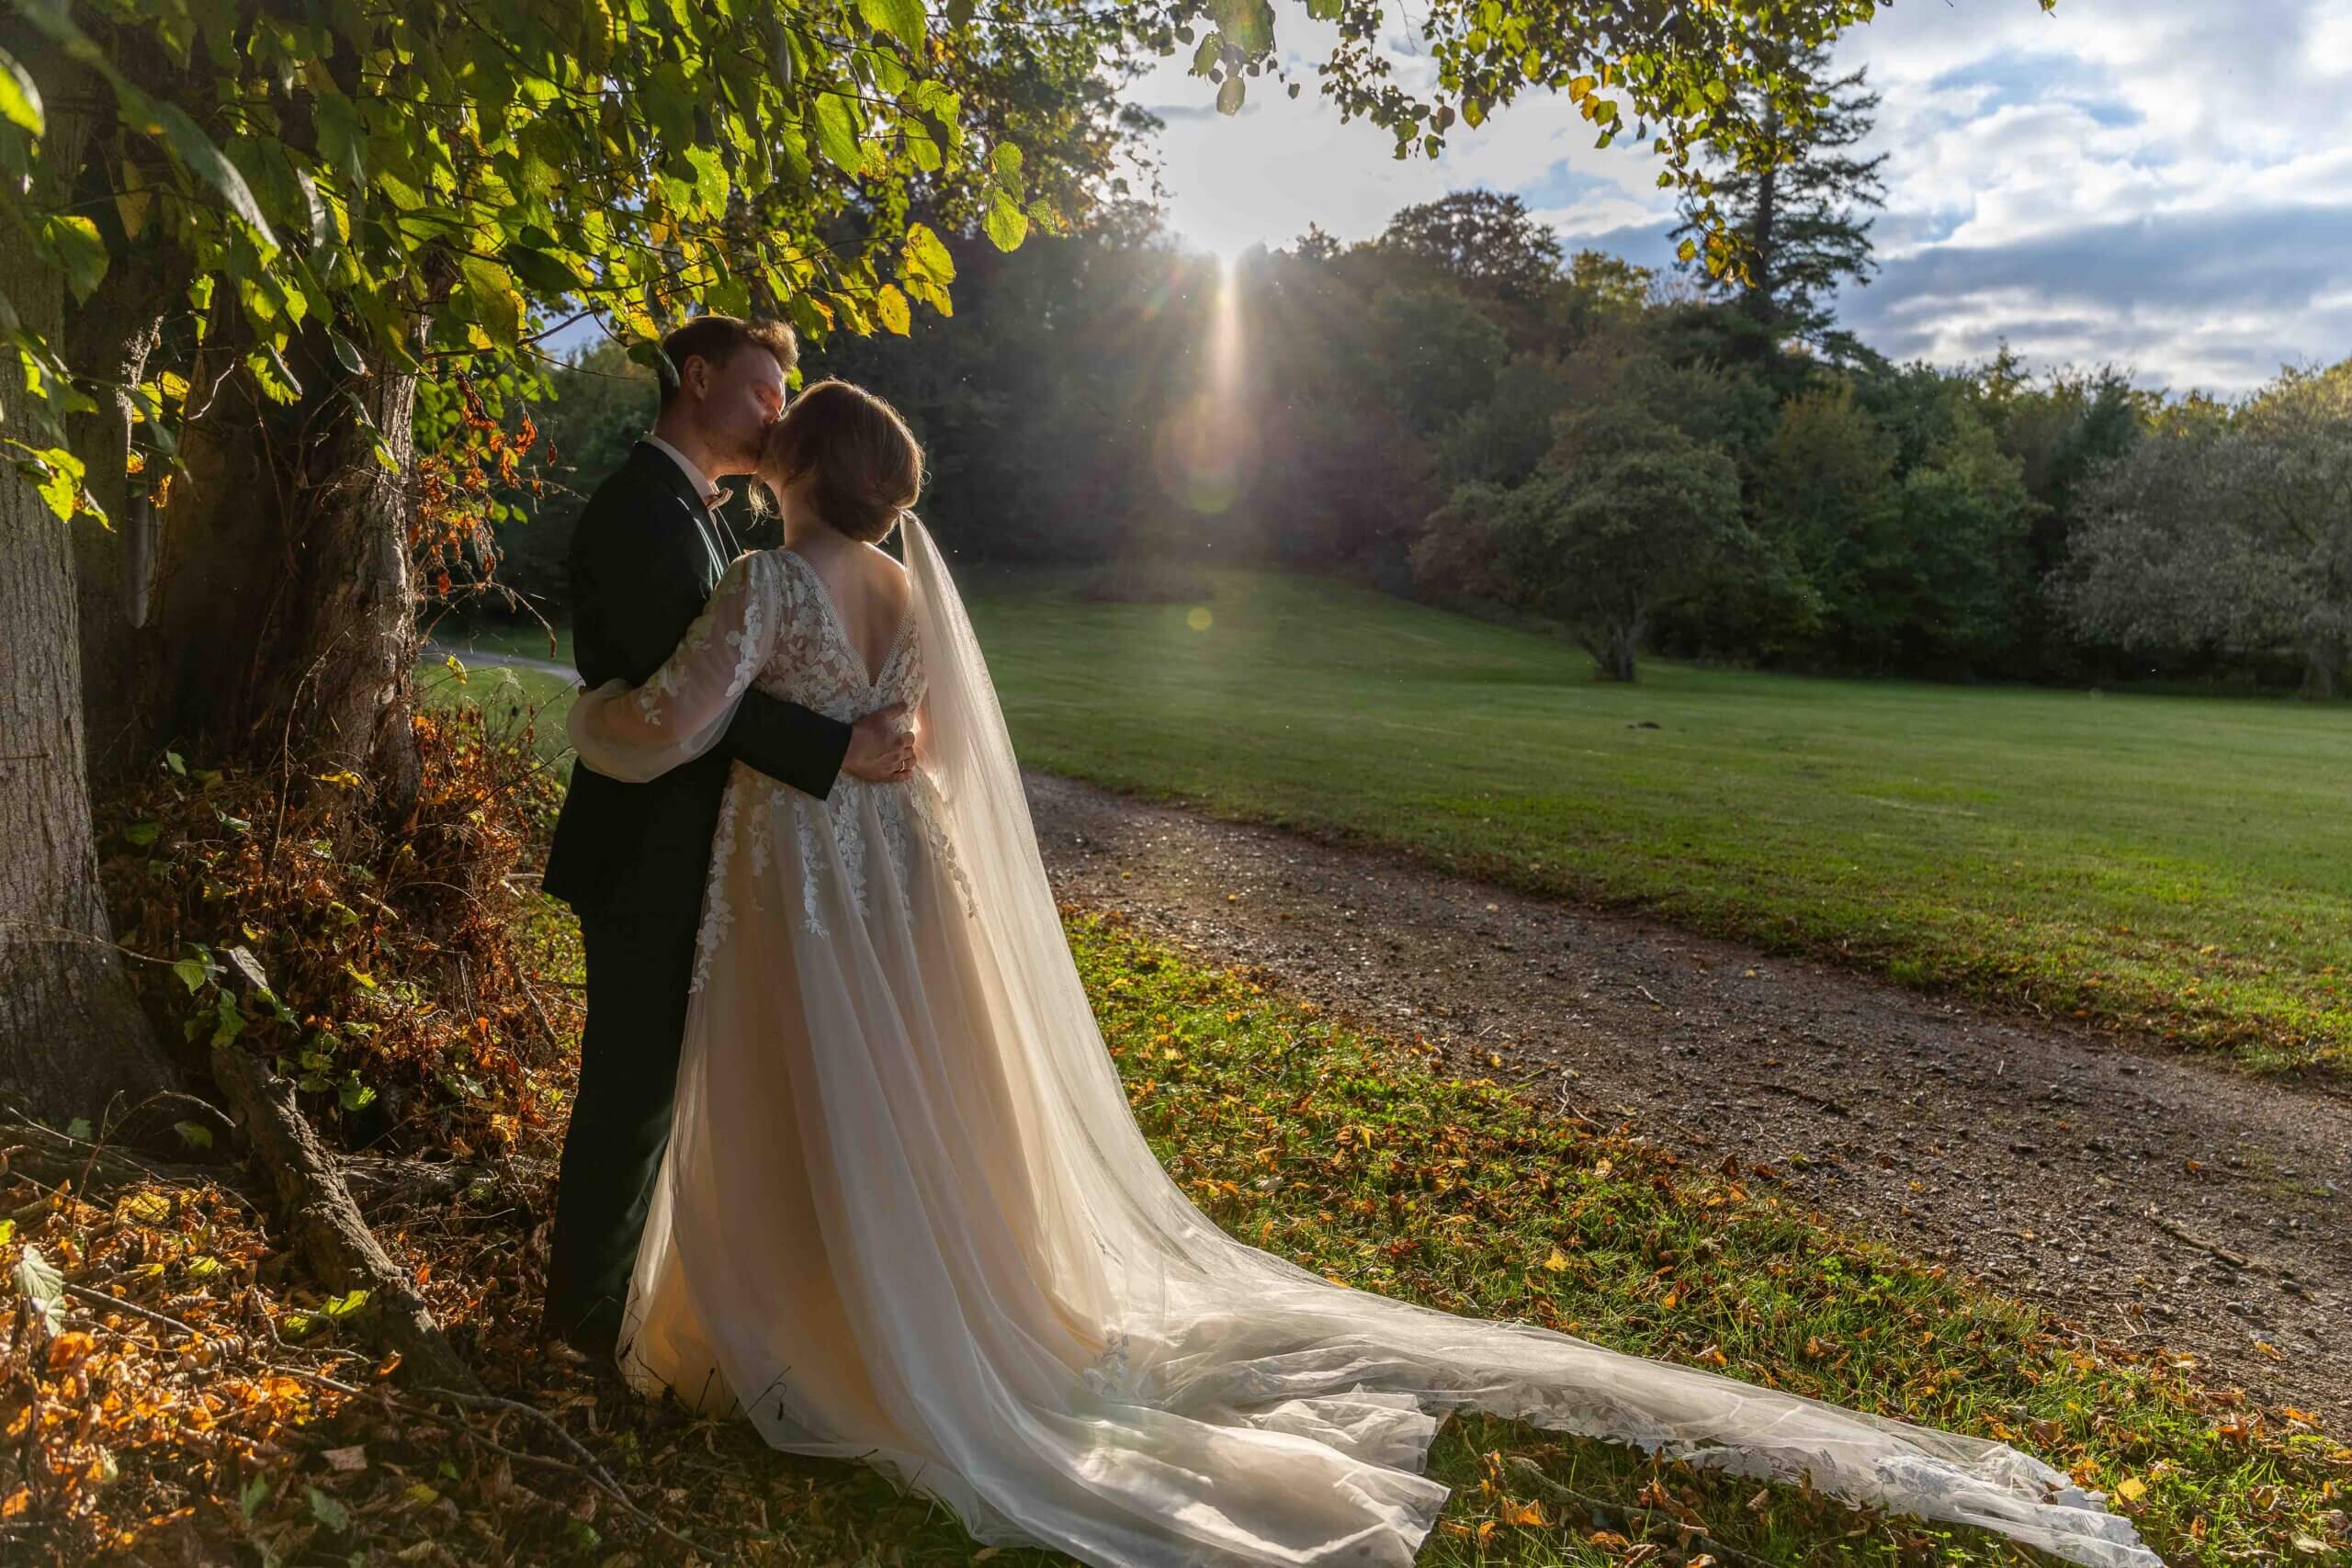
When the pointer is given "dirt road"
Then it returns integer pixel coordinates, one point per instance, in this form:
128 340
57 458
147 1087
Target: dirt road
2154 1198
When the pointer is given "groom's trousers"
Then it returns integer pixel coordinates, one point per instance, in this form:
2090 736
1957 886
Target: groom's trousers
639 964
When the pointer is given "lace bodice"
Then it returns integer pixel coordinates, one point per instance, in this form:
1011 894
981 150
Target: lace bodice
772 624
815 664
814 661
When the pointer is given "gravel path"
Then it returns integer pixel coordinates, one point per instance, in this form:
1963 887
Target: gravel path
2155 1199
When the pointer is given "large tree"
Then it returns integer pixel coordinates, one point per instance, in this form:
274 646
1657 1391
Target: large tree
1795 203
2228 526
1623 515
274 220
253 232
1481 239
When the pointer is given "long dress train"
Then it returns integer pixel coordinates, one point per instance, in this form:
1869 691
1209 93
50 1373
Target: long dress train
906 1216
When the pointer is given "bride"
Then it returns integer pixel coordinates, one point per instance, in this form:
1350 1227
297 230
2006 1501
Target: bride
906 1215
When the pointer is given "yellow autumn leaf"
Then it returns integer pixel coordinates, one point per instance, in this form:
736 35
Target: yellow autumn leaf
1555 1262
2131 1489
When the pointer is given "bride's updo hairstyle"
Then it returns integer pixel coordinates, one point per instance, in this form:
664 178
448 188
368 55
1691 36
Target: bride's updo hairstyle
867 463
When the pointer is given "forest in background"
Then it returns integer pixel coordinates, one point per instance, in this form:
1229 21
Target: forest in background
1704 466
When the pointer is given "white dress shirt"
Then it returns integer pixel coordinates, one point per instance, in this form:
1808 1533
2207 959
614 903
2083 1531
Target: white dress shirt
704 485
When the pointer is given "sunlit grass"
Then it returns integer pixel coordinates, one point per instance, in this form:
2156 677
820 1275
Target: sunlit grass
517 704
2182 864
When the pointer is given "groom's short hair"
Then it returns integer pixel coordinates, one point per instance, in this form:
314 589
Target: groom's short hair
719 339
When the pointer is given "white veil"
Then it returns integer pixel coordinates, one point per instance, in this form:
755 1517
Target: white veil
1199 1323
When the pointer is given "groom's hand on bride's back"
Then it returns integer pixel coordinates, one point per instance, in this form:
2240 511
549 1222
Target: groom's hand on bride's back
881 748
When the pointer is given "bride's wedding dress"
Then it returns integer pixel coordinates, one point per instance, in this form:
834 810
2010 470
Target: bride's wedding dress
906 1216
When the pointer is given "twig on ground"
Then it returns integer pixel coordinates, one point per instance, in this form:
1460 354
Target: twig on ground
588 1463
1602 1507
2172 1228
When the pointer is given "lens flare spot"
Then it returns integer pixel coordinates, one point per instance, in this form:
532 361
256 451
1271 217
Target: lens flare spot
1199 618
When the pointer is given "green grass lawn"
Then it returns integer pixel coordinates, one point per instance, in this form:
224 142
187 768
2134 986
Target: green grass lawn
521 705
522 639
2180 864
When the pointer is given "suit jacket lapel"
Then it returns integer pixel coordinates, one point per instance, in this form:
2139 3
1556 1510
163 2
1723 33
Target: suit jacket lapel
708 530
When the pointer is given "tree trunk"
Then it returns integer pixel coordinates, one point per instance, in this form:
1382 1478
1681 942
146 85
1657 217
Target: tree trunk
2324 669
1757 300
71 1034
111 334
1612 646
283 625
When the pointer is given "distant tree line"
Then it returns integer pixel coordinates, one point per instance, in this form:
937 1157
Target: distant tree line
1701 463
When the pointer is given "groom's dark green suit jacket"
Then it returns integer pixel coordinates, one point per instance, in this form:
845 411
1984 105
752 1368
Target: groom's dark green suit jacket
644 558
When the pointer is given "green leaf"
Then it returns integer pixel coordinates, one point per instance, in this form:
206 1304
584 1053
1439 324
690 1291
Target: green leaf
1007 224
328 1512
19 99
195 1134
781 64
343 138
1211 46
346 353
1007 158
837 132
544 272
194 150
497 307
78 250
891 307
56 475
79 1128
900 18
252 1496
1229 96
1249 24
353 1094
142 834
929 251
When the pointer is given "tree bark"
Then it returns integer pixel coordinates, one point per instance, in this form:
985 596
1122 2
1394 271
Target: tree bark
111 334
282 630
71 1034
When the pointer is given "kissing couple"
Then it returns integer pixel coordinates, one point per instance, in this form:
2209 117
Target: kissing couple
849 1156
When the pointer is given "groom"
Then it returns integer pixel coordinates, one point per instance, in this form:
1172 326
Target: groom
631 859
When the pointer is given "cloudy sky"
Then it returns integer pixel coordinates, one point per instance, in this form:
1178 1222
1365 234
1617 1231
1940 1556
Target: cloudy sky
2163 184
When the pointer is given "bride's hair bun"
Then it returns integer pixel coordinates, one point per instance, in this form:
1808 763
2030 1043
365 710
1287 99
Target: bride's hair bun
868 464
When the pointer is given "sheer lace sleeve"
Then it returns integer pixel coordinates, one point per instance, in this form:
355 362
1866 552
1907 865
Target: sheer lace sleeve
635 733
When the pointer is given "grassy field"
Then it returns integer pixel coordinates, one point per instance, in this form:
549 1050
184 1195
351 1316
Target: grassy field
519 703
2177 864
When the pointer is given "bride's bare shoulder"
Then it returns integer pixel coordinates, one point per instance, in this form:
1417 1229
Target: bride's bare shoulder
887 569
